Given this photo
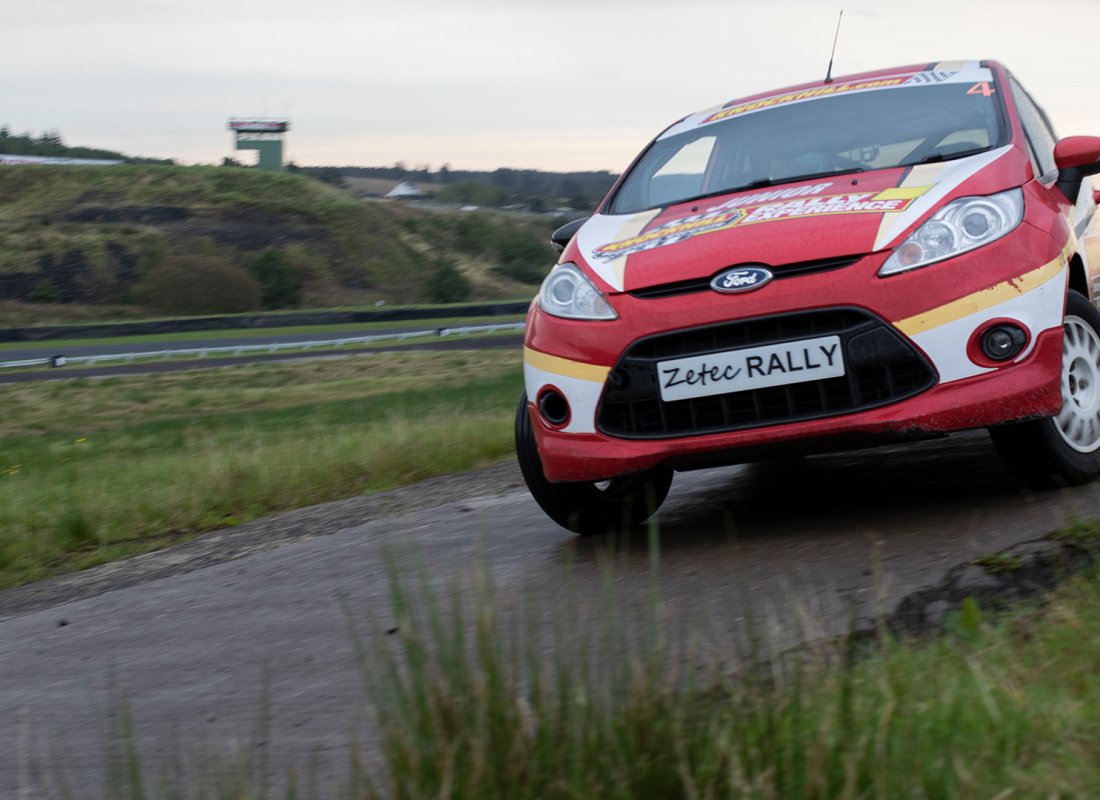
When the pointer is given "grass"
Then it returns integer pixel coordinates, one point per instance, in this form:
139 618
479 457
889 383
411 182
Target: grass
1003 707
557 703
50 190
94 470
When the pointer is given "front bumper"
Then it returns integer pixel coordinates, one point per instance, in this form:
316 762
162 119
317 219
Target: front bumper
1030 390
936 311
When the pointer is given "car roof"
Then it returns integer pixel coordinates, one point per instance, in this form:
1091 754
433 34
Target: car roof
936 70
933 66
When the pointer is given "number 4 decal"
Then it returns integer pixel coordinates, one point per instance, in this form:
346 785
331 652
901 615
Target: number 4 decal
982 88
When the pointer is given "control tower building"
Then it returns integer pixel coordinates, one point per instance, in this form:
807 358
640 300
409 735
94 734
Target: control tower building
265 136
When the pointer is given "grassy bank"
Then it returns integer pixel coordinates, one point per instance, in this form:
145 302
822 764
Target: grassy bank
93 470
88 238
94 231
997 708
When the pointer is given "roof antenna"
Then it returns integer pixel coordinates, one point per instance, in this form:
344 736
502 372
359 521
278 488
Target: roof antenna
829 71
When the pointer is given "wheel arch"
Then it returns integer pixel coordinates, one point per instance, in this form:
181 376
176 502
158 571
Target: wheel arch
1078 277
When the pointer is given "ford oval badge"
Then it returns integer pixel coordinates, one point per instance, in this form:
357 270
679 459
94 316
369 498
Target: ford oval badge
741 279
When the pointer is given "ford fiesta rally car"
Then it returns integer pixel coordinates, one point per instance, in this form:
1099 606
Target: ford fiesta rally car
892 255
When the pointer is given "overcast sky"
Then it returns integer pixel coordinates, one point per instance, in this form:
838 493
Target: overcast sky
547 84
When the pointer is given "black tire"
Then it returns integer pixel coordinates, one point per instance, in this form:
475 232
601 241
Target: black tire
1063 450
609 506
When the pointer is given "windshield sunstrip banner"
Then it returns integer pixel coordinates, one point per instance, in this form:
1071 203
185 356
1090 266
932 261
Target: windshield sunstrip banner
974 75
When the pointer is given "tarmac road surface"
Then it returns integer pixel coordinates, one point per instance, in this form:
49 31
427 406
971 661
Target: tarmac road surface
244 639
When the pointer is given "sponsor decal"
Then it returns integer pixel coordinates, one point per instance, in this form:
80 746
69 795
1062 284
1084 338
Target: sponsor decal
915 79
775 194
741 279
715 218
805 94
932 76
850 203
804 359
790 203
751 368
670 233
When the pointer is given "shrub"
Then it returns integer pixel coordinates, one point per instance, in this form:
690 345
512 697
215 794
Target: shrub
474 193
280 285
199 285
473 233
523 272
448 285
523 256
45 291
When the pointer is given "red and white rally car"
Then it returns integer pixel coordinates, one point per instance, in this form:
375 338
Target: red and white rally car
891 255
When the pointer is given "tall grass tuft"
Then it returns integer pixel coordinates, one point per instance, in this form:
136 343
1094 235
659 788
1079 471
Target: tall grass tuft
75 530
472 704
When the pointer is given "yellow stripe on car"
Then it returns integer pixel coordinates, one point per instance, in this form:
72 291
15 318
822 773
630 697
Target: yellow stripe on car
986 298
563 366
902 193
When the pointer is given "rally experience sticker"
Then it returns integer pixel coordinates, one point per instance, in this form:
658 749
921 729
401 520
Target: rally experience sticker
893 199
792 203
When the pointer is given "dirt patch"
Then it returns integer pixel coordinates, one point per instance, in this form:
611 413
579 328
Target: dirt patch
250 230
141 215
997 582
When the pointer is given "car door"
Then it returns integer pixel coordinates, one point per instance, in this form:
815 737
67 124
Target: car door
1078 211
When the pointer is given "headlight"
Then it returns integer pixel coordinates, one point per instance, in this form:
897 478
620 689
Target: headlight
961 225
566 292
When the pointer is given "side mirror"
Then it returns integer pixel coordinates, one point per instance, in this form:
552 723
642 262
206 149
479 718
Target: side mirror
560 238
1078 152
1076 157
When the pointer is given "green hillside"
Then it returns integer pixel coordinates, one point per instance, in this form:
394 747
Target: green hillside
99 236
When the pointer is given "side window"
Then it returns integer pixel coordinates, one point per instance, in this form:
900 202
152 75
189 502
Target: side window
1037 128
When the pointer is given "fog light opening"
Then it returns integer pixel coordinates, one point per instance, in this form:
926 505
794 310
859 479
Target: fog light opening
1002 342
553 407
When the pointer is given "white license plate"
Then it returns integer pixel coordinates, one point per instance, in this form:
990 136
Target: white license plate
751 368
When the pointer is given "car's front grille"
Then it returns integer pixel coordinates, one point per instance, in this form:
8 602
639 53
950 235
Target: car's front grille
881 367
793 270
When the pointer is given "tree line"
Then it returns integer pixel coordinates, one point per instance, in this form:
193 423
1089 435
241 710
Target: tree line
541 191
50 144
497 187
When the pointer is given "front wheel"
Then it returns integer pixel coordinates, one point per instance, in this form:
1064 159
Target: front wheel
617 504
1063 450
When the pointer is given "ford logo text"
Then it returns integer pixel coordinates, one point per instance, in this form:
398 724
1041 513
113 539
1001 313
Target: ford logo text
741 279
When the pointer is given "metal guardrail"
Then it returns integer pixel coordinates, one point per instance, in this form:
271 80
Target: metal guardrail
244 349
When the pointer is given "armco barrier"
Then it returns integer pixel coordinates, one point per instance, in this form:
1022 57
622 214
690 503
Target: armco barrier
245 349
105 330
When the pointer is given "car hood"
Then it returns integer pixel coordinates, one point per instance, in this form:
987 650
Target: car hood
838 216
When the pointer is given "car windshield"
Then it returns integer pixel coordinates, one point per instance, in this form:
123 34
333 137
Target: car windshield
790 141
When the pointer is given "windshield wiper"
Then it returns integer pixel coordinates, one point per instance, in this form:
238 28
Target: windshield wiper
763 183
935 158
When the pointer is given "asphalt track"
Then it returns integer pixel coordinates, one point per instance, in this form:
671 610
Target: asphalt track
244 641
